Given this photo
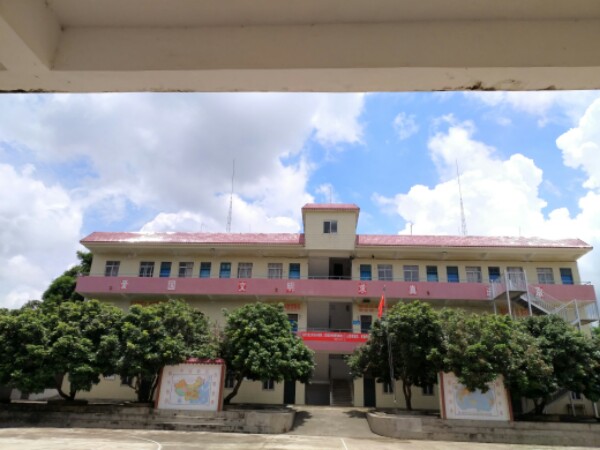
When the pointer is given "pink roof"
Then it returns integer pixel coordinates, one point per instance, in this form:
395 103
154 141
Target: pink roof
330 207
401 240
196 238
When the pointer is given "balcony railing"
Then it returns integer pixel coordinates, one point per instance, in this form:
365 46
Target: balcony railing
334 288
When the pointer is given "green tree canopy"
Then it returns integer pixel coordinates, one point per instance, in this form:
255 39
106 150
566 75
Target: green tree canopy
63 287
158 335
480 347
259 345
42 344
413 333
572 356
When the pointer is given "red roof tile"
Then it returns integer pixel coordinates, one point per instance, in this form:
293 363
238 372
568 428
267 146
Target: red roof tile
330 207
196 238
400 240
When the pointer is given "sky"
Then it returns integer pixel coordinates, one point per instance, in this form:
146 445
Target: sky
71 164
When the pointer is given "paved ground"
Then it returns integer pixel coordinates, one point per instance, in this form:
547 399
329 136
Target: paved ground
317 428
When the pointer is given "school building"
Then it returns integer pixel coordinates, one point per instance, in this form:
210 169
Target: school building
330 280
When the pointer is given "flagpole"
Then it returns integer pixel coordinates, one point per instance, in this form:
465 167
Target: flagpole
390 353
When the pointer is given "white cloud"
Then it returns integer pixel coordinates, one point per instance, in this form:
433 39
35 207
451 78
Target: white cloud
174 152
40 227
545 105
405 125
327 193
501 196
581 146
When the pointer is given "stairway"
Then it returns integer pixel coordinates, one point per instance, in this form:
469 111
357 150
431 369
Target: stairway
340 393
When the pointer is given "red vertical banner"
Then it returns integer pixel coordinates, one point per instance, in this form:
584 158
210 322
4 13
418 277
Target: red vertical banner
381 306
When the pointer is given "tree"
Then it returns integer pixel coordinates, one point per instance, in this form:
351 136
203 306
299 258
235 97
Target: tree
82 343
63 287
413 333
259 345
158 335
480 347
572 356
43 343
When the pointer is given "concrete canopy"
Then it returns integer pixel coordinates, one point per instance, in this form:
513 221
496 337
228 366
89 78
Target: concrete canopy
298 45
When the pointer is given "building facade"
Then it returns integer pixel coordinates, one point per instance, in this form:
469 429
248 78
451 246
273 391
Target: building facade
330 280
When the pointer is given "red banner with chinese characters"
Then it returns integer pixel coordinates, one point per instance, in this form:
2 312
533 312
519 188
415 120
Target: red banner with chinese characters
332 336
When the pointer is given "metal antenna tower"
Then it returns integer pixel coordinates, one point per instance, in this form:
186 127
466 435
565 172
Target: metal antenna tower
231 200
463 220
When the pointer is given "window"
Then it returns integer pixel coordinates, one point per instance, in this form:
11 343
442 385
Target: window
229 379
186 269
452 274
165 269
545 275
365 323
575 395
384 272
112 268
146 269
275 270
566 275
244 270
388 388
205 269
474 274
330 227
225 270
293 319
494 274
411 273
294 271
427 390
268 385
432 273
365 271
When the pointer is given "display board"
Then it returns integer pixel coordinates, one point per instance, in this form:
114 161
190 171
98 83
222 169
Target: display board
194 385
457 402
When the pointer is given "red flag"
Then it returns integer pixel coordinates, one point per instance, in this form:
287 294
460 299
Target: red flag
381 306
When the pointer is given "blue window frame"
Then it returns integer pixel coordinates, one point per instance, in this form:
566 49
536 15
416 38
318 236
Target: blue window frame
432 273
165 269
205 269
566 275
294 273
225 270
365 272
494 273
452 273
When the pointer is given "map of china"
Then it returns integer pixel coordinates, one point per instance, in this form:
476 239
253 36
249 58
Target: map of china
189 391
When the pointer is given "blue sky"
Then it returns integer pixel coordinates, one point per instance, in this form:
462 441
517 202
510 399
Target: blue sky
73 164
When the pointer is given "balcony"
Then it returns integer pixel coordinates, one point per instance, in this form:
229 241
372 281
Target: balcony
262 287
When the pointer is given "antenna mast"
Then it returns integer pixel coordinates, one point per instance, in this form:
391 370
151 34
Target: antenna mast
231 200
463 220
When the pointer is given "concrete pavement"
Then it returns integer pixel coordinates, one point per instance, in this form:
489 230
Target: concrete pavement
103 439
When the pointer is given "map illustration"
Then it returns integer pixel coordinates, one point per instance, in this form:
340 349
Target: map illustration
460 403
191 386
196 391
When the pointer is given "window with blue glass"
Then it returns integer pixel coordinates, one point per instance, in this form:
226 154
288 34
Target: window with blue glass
205 269
165 269
294 273
225 270
293 319
566 275
452 274
365 272
494 273
432 274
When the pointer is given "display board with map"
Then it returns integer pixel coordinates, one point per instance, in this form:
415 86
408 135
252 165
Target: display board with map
193 385
460 403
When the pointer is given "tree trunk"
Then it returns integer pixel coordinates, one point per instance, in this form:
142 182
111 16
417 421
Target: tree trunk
58 382
540 405
238 382
144 389
406 390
